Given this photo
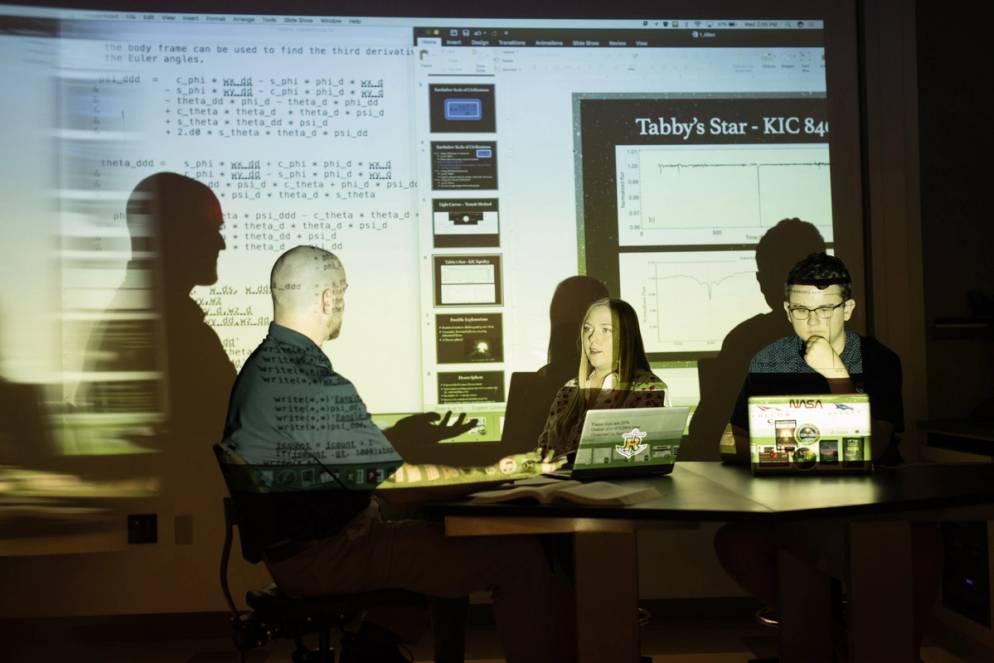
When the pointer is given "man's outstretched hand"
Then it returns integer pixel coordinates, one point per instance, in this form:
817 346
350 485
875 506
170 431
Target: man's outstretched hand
417 435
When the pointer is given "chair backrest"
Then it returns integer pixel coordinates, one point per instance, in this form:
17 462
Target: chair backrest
252 511
266 517
528 399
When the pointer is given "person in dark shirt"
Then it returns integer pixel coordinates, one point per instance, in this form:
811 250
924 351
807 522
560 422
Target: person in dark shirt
306 436
821 357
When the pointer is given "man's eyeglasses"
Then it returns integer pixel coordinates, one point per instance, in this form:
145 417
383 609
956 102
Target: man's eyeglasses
802 313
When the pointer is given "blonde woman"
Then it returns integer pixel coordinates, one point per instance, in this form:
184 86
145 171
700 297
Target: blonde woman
613 373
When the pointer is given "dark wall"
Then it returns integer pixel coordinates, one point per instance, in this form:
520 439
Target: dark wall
956 134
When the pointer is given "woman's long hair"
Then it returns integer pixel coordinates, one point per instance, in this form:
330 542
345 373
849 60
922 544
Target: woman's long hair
628 359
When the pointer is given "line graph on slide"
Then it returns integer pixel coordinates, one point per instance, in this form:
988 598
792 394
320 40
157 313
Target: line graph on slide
728 194
689 301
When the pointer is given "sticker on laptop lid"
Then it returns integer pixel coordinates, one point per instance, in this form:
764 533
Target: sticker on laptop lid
632 444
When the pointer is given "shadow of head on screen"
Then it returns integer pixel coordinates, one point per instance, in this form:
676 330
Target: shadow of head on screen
153 361
570 301
779 249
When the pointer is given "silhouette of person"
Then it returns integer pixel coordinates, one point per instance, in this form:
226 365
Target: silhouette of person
186 223
153 324
779 249
153 327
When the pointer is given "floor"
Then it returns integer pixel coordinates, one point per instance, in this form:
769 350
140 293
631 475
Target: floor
678 633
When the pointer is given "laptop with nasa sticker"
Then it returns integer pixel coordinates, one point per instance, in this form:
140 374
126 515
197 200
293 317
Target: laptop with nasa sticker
815 434
629 442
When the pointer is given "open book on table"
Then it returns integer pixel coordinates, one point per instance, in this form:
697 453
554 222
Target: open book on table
595 493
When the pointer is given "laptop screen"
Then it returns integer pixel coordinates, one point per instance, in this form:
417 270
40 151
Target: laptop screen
630 437
823 430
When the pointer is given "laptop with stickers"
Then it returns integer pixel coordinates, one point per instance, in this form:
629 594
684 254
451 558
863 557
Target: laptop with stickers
808 434
628 442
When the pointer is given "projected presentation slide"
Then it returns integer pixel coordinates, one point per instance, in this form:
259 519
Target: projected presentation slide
469 338
465 280
679 190
471 387
688 300
630 151
460 168
698 194
464 165
462 108
465 222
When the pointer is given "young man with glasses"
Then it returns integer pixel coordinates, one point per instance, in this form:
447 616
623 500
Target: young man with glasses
822 357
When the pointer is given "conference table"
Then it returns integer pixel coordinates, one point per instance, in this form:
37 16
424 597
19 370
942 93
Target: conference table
875 510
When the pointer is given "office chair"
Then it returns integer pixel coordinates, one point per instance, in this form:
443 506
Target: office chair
274 614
